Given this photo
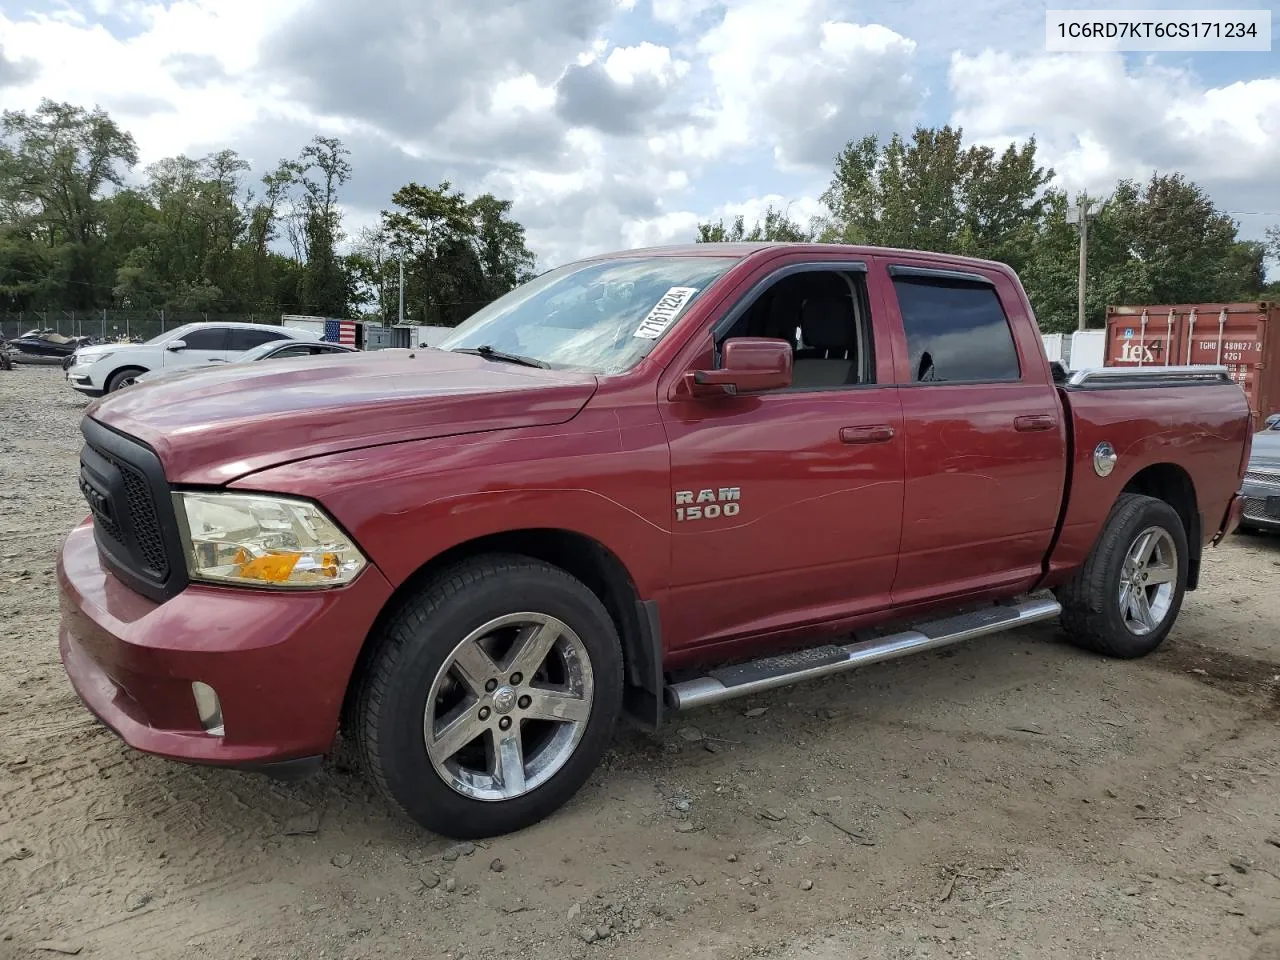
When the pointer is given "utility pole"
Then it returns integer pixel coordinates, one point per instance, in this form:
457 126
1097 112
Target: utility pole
402 290
1080 214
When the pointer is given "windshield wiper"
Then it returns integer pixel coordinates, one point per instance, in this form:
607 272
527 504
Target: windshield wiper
489 353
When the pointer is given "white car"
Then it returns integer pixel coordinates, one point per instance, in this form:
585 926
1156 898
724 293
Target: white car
106 367
275 350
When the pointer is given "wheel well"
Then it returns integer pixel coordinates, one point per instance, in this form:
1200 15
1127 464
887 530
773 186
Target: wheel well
121 369
600 571
1172 484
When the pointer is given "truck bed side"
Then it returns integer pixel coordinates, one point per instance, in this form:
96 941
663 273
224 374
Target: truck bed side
1184 442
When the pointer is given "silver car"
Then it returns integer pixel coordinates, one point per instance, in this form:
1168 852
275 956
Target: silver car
1262 480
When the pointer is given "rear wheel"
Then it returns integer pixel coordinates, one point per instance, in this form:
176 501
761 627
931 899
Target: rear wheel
1126 597
489 698
123 378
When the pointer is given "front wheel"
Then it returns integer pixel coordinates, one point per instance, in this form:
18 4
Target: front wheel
1124 600
123 378
490 696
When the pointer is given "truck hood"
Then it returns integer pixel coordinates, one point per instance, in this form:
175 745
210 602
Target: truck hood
241 418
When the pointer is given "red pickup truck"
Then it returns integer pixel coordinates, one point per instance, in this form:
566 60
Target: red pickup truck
638 484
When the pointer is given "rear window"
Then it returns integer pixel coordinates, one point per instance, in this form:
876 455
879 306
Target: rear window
956 331
245 338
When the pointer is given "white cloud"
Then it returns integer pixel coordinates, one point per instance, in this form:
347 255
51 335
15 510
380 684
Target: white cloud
84 63
682 226
1097 121
612 122
644 62
804 80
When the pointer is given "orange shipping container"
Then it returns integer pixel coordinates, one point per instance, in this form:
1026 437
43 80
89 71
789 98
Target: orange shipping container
1243 337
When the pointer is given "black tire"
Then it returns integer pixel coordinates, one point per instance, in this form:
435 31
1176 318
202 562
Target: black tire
1090 602
122 378
412 647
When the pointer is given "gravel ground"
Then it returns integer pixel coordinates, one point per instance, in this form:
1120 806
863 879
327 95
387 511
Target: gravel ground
1011 797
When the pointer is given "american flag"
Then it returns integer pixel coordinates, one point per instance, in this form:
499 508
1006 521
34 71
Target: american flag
340 331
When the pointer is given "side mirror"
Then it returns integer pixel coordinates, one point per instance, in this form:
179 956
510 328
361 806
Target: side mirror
747 365
176 345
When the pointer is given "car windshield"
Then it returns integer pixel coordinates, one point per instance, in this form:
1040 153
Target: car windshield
176 332
602 316
258 352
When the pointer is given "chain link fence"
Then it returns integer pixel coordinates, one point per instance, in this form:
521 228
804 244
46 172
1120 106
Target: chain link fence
111 324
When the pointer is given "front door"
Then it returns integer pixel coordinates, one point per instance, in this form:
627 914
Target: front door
202 345
786 505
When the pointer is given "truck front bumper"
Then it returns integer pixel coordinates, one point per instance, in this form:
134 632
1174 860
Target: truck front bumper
278 663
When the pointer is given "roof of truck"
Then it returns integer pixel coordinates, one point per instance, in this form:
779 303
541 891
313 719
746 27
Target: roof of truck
745 249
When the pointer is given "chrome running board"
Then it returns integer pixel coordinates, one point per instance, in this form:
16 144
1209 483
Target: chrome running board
769 673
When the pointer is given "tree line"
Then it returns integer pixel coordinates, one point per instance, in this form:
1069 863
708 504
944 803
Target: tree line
1162 241
203 235
207 235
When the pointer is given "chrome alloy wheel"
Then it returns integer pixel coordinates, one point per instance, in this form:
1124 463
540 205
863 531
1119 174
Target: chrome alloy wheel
1148 581
509 706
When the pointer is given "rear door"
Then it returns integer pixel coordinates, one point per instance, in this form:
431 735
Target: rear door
202 345
985 431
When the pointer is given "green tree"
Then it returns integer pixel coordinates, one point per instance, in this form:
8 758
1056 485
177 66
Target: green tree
776 226
322 169
57 164
1160 242
459 254
932 193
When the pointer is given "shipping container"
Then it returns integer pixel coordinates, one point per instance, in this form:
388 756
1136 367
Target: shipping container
413 335
1088 349
1243 337
313 324
378 337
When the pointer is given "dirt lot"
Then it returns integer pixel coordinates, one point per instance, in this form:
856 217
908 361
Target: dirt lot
1012 797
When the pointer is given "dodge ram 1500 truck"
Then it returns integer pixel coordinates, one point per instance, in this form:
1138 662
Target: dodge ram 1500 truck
638 484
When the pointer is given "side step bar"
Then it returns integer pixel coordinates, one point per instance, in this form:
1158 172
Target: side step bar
756 676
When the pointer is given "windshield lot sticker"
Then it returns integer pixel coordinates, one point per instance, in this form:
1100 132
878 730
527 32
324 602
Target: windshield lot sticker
664 313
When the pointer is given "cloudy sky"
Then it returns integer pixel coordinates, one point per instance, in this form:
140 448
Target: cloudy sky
613 123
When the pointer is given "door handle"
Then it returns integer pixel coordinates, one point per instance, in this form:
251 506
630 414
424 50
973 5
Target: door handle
880 433
1034 422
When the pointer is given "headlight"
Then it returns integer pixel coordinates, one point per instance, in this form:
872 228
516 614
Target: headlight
86 361
264 541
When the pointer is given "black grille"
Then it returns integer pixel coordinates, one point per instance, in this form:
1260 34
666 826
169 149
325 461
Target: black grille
134 523
142 516
1257 477
1262 508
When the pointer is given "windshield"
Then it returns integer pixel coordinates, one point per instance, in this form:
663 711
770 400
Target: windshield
258 352
171 334
603 316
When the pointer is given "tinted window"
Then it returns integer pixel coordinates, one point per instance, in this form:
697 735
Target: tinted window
283 354
245 339
206 338
956 331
